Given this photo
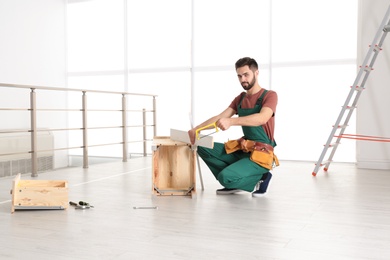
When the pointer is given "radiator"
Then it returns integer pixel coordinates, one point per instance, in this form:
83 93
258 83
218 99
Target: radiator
21 143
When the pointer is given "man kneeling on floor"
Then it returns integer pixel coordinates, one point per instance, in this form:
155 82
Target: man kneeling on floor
244 164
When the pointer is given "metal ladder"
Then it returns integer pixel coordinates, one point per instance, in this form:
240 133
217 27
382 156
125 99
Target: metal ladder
356 90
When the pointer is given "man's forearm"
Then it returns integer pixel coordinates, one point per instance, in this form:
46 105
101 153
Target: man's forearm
207 122
251 120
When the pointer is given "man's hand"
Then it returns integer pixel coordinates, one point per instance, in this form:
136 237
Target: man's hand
192 135
224 123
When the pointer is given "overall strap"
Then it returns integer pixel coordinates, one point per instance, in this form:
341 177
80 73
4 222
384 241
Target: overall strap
242 98
260 100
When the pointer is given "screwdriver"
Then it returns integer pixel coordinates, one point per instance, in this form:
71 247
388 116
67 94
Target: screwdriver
83 203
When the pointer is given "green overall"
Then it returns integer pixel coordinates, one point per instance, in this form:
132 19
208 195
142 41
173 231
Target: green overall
236 170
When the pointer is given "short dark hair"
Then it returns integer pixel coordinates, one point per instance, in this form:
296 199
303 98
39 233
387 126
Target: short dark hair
246 61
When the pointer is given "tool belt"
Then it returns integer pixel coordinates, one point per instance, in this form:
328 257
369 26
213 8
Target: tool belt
261 153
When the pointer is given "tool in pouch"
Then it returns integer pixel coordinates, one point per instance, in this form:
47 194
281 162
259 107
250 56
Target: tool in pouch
80 205
206 127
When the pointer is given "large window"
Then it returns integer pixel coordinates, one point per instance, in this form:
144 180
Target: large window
184 51
159 34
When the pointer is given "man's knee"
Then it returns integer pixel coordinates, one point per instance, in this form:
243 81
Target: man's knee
225 178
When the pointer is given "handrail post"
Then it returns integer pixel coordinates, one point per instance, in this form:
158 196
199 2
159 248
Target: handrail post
124 128
33 114
144 129
85 133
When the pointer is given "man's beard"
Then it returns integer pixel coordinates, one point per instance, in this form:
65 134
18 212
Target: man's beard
250 85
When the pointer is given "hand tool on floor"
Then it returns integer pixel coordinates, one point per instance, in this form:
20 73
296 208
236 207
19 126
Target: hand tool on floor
83 203
151 207
80 205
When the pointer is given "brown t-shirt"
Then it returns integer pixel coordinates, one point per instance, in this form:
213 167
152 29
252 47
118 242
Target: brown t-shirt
270 100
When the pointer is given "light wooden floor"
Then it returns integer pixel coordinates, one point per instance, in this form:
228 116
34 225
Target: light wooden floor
342 214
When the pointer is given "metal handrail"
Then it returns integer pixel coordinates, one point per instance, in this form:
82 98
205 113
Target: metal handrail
33 130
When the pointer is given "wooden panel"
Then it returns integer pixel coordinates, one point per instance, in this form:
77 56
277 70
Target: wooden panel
173 168
39 194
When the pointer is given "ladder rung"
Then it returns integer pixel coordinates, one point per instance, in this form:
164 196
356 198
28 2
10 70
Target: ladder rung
323 163
376 48
386 28
358 88
333 144
342 126
368 68
351 107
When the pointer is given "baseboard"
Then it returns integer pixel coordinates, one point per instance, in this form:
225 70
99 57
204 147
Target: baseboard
375 165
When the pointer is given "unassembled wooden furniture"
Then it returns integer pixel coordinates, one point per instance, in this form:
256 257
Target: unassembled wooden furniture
39 194
174 168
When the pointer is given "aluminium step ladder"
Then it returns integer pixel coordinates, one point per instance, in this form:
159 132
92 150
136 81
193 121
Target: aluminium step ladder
356 90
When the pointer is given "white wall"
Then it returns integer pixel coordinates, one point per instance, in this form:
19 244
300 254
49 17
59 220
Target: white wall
374 105
32 52
33 42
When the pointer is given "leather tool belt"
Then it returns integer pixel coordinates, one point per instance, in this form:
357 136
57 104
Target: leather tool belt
261 153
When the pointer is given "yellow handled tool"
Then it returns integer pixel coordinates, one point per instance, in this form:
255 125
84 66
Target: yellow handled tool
205 127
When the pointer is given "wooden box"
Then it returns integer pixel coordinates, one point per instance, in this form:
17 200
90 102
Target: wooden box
174 168
39 194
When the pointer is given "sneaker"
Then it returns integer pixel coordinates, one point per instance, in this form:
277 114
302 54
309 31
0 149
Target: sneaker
262 185
226 191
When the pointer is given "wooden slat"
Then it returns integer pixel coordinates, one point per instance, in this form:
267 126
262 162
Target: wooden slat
15 183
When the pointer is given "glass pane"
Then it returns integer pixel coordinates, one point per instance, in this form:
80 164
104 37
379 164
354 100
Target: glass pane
95 34
173 101
228 30
310 100
313 30
99 82
159 33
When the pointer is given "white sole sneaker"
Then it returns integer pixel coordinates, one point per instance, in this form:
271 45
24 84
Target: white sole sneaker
226 191
257 195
